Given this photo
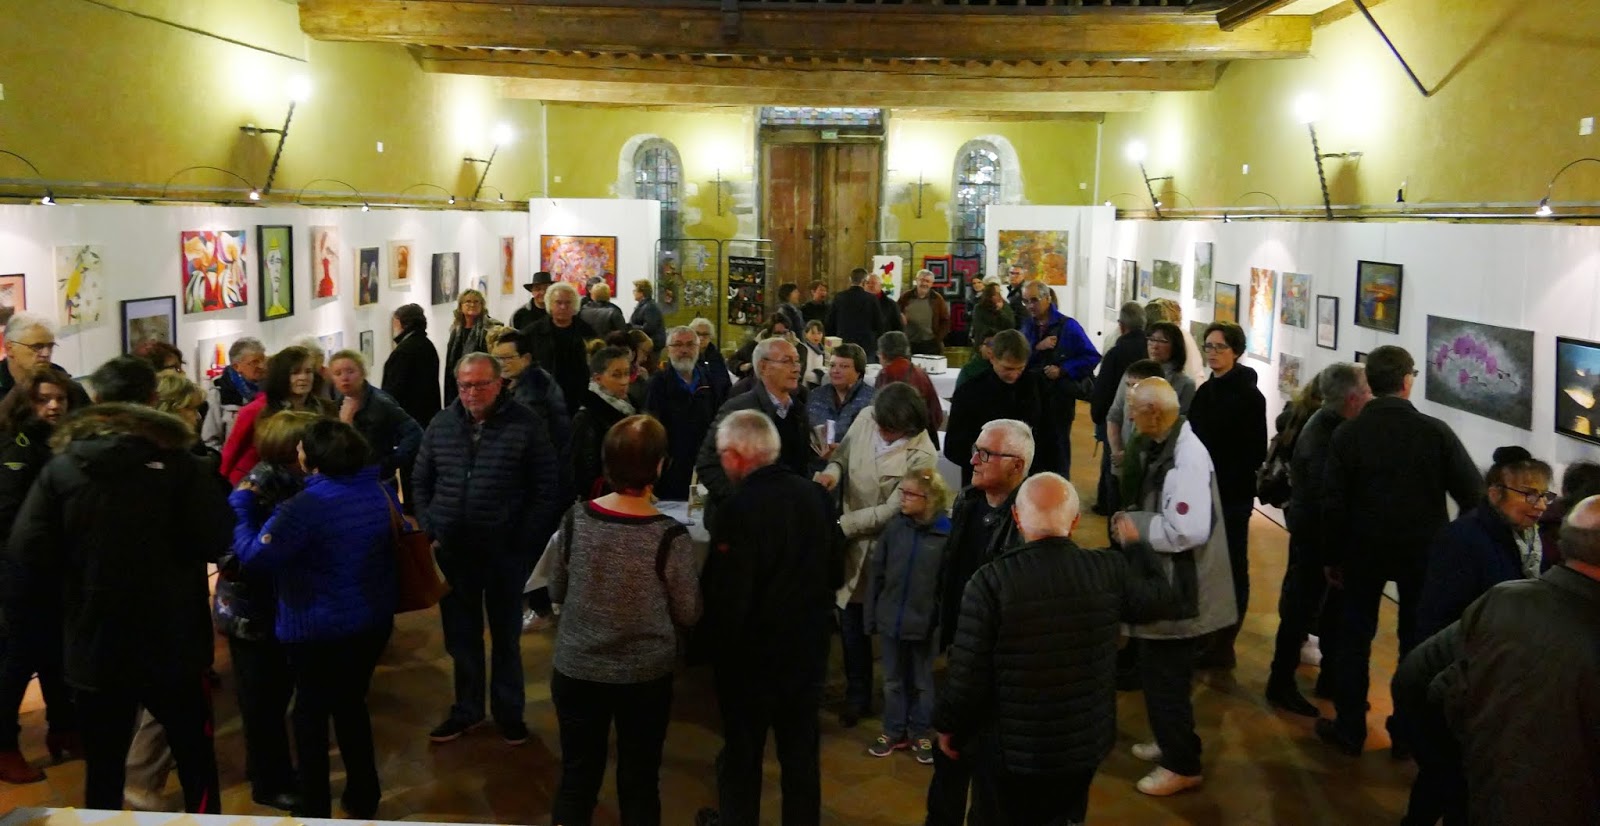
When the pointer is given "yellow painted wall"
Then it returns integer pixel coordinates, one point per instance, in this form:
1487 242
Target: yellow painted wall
100 94
1511 81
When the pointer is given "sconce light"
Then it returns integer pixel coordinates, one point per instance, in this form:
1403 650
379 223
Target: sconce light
1307 109
1544 210
1119 195
500 136
253 194
1275 201
1136 153
298 90
500 196
49 198
447 192
365 207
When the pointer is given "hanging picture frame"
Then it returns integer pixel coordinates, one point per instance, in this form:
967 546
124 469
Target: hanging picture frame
275 268
1378 293
1225 302
1328 322
149 319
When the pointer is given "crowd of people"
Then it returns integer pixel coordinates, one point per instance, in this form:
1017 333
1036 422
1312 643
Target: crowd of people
539 474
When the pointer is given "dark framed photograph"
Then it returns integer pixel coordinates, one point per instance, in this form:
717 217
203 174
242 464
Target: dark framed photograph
1578 389
275 254
1378 288
149 319
1328 322
1361 358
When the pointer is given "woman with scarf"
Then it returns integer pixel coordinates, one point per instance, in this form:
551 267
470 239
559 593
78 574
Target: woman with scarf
602 405
468 334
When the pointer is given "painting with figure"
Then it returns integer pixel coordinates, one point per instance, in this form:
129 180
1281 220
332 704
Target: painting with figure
13 300
890 269
145 319
275 267
1040 254
1130 280
1328 322
214 275
508 265
1225 303
1378 293
576 259
367 277
1261 319
368 352
324 262
1168 276
79 286
1480 368
212 357
1291 375
1296 308
400 254
1146 280
1578 389
446 277
1202 271
1112 268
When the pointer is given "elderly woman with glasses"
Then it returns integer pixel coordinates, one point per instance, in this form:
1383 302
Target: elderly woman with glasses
468 334
712 362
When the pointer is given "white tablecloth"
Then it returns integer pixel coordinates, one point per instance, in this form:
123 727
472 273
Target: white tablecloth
677 510
943 383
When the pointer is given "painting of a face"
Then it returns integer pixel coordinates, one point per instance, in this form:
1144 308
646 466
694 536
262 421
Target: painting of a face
277 271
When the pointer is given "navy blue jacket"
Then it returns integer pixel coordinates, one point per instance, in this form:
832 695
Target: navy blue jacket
503 485
537 389
687 415
1471 555
902 600
1074 353
331 553
1130 347
390 431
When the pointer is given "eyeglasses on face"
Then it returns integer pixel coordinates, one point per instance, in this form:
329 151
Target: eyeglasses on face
1154 340
474 386
1030 301
1214 348
985 456
1532 497
41 347
787 362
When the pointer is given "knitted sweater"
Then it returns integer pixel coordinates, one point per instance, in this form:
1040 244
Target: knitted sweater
617 611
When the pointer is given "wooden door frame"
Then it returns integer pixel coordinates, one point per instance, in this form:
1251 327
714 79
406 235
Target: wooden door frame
789 135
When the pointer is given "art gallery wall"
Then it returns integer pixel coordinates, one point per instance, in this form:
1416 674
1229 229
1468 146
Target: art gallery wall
1090 234
141 259
636 224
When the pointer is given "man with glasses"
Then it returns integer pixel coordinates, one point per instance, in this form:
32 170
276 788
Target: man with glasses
1389 470
682 398
1062 353
1129 348
777 369
30 342
486 485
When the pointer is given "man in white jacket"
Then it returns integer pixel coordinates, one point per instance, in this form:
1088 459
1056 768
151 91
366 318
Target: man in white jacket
1178 513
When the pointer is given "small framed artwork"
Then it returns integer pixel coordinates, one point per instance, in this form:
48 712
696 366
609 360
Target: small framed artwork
14 292
1578 389
324 262
400 263
149 319
446 282
275 250
1361 358
1378 289
367 276
1225 302
367 351
1328 322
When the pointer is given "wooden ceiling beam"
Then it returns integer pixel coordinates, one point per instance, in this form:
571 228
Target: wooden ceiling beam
661 93
856 32
1241 12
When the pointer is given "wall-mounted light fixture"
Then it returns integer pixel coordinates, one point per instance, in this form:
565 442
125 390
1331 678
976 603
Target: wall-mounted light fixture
1307 110
447 192
1544 210
500 196
1119 195
298 90
365 207
1242 196
253 194
501 135
49 197
1137 153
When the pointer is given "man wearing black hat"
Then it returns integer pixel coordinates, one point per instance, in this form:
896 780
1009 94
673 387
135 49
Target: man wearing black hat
535 309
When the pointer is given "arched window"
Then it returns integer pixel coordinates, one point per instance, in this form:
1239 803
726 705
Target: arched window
979 180
658 175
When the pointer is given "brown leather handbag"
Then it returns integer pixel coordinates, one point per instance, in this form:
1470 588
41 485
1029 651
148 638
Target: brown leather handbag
419 585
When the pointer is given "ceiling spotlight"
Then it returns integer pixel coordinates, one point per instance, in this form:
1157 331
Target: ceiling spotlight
1137 151
1307 108
1226 219
452 200
298 89
501 135
365 207
255 195
49 198
1544 210
502 198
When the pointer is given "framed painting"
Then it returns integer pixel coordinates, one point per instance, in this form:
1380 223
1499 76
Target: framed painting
367 276
213 273
1146 281
1578 389
1361 358
1225 303
1112 270
324 262
1481 369
1378 292
14 293
445 281
577 259
275 266
966 271
1168 276
1291 374
1040 254
79 287
890 269
365 342
1202 271
1295 311
1328 322
747 290
148 319
331 343
1197 331
211 357
939 265
1261 319
400 254
1130 280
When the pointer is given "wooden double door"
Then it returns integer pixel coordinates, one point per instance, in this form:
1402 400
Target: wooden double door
820 209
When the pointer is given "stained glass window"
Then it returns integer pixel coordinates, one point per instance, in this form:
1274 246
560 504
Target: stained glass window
977 185
657 176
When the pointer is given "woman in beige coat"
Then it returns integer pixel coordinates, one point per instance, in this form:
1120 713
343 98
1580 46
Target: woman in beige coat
886 442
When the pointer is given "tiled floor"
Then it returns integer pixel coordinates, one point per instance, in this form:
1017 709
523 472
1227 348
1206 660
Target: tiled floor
1261 767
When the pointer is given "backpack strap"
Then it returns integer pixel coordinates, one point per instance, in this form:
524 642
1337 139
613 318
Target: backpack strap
668 536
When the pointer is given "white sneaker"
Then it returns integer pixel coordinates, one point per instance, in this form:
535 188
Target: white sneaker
1149 752
1161 783
534 622
1311 651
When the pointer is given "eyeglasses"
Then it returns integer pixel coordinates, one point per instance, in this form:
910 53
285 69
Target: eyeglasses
1214 348
784 362
1154 340
1030 301
986 456
471 386
37 348
1532 497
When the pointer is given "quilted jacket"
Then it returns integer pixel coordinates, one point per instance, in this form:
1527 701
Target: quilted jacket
501 485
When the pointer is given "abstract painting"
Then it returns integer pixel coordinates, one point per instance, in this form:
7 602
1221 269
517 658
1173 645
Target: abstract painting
1040 254
1197 331
148 319
508 265
576 259
367 276
1168 276
1480 368
1296 308
212 357
446 280
890 270
275 266
1202 271
1112 269
1146 280
324 262
1225 303
214 276
400 253
80 288
967 272
939 265
1261 318
699 293
1291 374
1130 280
366 340
1378 295
1328 322
1578 389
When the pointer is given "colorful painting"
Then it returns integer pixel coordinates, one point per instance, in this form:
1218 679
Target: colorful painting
939 265
1225 303
699 293
1040 254
1262 319
1378 288
212 357
1578 389
214 276
1480 368
79 287
275 266
1168 276
891 270
446 277
1328 322
1202 271
968 272
13 293
1130 280
508 265
1146 281
400 254
576 259
1112 269
1291 375
324 262
1296 308
367 276
747 290
146 319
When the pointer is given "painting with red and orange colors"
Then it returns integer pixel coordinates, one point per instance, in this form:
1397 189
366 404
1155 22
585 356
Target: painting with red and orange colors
578 258
1378 295
324 262
1040 254
508 265
214 276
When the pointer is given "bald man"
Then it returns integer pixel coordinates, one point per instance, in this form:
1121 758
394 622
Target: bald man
1176 510
1033 683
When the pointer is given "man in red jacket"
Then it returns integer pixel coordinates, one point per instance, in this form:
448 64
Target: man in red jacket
894 353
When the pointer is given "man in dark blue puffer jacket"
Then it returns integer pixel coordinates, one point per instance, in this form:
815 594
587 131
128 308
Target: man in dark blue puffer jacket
486 483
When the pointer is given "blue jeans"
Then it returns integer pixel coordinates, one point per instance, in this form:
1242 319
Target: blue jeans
484 584
857 647
907 664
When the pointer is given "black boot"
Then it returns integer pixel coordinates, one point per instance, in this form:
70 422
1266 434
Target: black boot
1284 694
1218 652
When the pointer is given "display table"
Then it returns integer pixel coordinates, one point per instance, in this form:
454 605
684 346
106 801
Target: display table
677 510
944 383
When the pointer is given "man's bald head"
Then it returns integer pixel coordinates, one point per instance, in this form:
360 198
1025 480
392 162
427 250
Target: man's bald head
1047 506
1580 532
1154 407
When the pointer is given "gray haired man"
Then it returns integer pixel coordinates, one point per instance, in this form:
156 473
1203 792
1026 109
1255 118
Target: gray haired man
236 387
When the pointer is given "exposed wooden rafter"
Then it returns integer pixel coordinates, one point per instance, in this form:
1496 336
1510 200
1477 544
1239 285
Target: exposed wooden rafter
647 93
1243 11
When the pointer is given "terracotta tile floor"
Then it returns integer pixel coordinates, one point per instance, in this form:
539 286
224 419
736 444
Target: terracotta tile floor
1261 767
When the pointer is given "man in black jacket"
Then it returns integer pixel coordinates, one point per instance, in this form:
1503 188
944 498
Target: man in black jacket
776 560
534 309
486 482
1306 595
1130 347
681 396
1388 473
817 308
888 310
1006 391
559 342
855 316
119 526
1029 696
778 370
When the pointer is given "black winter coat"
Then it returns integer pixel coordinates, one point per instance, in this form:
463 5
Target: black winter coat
527 314
1307 475
1230 416
794 433
1035 658
501 487
121 524
715 369
392 434
22 457
1389 470
986 398
411 376
856 317
464 340
77 397
687 416
561 351
1471 555
595 418
647 317
890 312
1130 347
959 563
